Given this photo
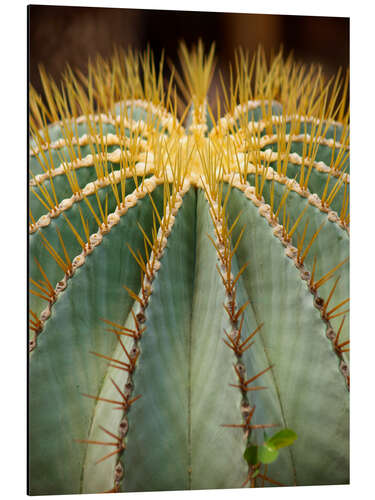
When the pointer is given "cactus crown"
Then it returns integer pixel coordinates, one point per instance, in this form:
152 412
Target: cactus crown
227 229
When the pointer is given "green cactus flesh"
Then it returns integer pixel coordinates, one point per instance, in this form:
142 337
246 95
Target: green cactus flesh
188 285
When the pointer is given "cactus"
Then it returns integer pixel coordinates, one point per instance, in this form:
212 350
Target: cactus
188 276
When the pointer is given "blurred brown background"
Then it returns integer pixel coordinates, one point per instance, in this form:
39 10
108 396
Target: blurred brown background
72 34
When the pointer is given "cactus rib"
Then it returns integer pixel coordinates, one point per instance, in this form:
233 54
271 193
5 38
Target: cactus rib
293 253
94 240
90 160
236 315
138 315
91 188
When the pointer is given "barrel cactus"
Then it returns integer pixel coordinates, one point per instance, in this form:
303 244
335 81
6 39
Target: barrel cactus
188 276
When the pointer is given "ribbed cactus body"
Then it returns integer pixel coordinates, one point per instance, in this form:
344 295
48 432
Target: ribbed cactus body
211 244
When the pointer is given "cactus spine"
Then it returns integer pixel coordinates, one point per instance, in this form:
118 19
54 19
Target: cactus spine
188 277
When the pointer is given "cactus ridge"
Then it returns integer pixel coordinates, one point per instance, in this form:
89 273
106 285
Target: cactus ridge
88 247
295 254
139 317
233 340
263 191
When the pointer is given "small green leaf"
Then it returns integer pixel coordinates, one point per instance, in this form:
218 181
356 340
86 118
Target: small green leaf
251 455
266 456
281 439
254 474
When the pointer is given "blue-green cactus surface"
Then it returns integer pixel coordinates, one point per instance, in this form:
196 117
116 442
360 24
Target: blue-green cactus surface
189 279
